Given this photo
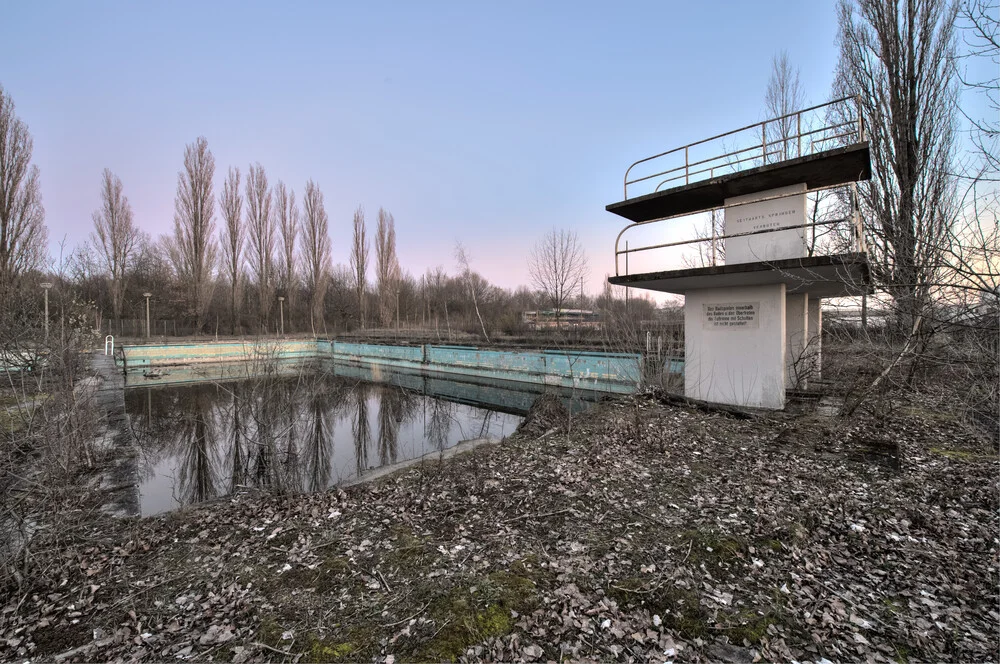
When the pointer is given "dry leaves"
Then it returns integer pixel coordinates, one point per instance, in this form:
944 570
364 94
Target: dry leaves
650 532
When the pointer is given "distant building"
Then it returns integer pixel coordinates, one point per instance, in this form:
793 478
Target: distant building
569 318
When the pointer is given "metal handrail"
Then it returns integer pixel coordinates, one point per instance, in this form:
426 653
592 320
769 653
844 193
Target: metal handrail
761 146
829 222
754 157
711 169
857 234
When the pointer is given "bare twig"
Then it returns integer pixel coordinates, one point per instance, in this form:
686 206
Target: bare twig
538 516
400 622
286 653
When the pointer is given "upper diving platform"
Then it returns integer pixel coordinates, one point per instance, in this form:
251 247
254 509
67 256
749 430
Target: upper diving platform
786 191
822 146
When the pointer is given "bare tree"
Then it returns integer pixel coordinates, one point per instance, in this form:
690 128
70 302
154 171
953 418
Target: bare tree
556 266
387 271
712 251
260 232
22 218
233 239
473 284
288 226
898 56
117 236
784 95
194 250
982 39
359 260
316 251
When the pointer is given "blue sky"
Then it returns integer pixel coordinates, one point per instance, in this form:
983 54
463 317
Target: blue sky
487 123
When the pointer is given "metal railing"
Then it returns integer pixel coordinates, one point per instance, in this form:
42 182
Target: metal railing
852 221
798 134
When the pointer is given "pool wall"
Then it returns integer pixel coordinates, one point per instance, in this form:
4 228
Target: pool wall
603 372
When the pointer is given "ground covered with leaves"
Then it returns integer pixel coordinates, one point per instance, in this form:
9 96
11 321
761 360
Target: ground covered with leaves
642 530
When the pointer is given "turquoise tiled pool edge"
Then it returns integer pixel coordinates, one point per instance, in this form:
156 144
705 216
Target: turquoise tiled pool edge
604 372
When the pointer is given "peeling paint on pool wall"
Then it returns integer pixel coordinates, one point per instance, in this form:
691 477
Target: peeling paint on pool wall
604 372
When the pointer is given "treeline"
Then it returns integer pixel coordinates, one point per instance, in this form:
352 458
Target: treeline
250 256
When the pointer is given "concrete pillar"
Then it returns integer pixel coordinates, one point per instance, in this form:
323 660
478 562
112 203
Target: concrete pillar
814 346
796 333
734 345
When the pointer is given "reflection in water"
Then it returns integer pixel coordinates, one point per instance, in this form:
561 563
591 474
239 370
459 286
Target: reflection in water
361 428
237 445
439 424
396 406
287 434
196 439
318 441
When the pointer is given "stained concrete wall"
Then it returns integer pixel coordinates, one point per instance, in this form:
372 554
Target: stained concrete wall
740 364
161 355
814 347
607 372
796 335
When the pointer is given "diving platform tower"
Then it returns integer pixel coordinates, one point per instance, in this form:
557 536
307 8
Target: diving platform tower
787 189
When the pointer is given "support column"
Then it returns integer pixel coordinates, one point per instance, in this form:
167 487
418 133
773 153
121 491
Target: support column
796 333
814 346
734 345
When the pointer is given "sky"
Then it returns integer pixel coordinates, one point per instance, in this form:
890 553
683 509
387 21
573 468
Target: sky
484 123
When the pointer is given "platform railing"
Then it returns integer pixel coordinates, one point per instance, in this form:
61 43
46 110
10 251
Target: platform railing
851 222
799 134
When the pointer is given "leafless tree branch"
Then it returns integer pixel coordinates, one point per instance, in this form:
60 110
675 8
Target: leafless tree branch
260 231
316 249
22 217
117 236
233 240
194 250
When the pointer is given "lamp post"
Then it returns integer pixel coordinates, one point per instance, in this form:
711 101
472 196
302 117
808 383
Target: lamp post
281 307
147 295
46 285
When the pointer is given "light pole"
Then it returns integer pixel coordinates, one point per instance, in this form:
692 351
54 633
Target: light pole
281 308
147 295
46 285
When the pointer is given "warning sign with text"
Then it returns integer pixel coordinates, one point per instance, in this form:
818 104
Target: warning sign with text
731 315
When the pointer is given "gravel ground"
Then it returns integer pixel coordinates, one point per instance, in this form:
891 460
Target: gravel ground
640 530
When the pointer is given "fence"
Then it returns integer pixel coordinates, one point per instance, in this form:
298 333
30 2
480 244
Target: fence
160 328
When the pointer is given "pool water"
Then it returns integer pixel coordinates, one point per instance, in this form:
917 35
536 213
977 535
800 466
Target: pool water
304 432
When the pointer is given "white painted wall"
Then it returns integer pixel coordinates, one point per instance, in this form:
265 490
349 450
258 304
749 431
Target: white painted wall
796 334
787 212
742 364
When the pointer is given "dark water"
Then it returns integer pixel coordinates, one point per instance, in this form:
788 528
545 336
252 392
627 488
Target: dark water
302 433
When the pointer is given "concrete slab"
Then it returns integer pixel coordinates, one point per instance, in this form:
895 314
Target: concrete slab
820 276
823 169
